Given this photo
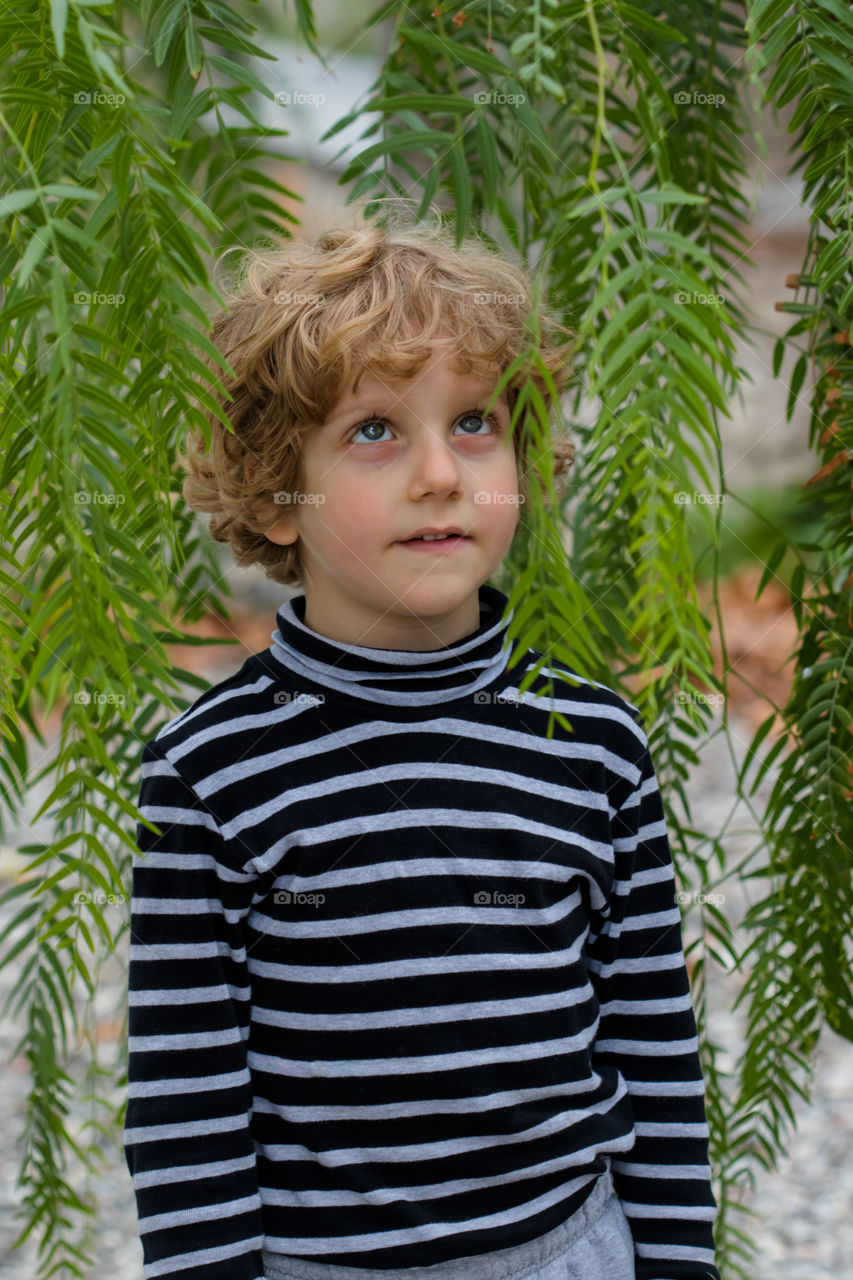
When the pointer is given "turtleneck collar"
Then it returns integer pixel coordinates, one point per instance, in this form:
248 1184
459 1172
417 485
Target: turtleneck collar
395 677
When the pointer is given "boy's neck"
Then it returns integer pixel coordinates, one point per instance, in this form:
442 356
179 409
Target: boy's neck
396 631
409 680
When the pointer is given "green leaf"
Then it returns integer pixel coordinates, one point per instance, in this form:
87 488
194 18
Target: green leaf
70 191
409 140
15 201
431 104
488 151
58 16
550 84
639 18
670 193
195 53
776 557
461 184
465 55
522 42
33 254
242 74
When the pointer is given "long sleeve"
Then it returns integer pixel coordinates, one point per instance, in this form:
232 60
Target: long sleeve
647 1030
187 1135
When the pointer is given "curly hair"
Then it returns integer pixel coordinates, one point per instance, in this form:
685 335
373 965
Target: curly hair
301 316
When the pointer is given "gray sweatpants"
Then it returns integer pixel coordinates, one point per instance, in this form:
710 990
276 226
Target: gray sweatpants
594 1244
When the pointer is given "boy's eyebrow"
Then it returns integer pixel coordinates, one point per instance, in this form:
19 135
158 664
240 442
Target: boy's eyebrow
365 403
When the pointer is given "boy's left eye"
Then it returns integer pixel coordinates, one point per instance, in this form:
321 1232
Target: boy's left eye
466 417
376 419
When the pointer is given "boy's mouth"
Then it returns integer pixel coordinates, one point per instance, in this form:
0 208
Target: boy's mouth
435 540
436 544
435 535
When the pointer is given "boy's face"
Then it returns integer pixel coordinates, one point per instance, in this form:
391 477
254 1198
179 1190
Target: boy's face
432 462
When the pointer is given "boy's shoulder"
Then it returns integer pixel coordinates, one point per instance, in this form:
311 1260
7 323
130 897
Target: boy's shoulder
230 718
593 709
196 732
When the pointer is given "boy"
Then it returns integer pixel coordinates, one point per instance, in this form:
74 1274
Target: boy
407 988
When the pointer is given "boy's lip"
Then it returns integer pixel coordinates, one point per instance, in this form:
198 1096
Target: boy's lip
460 533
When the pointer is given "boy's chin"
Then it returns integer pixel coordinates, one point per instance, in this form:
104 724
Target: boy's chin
432 599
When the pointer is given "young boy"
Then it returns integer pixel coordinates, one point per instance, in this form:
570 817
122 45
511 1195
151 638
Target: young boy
407 988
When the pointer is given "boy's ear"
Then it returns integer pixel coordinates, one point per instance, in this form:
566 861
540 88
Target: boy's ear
282 519
284 531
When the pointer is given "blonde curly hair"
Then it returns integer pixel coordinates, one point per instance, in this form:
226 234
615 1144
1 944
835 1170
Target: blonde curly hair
302 315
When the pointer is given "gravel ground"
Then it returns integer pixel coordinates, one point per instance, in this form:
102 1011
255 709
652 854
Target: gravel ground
804 1212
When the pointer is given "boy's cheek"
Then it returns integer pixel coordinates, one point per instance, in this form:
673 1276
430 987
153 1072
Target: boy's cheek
358 512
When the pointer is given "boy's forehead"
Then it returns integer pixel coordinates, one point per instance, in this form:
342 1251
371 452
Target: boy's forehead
370 382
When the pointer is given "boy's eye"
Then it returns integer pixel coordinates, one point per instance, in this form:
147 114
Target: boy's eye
369 426
376 420
475 413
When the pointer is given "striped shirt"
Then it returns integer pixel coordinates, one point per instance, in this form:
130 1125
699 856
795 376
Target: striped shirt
406 975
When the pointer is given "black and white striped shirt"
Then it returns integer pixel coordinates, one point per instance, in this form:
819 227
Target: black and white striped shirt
406 976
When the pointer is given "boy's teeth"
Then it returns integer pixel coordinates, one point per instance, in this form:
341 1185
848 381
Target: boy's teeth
433 537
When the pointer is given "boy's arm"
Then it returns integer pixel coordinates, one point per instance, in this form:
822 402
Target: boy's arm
648 1031
187 1140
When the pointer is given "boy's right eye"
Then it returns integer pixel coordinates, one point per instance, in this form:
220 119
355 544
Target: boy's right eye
367 425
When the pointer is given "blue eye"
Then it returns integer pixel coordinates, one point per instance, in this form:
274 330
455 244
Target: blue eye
376 420
466 417
366 426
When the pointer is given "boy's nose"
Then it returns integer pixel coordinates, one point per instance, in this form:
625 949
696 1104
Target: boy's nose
434 463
